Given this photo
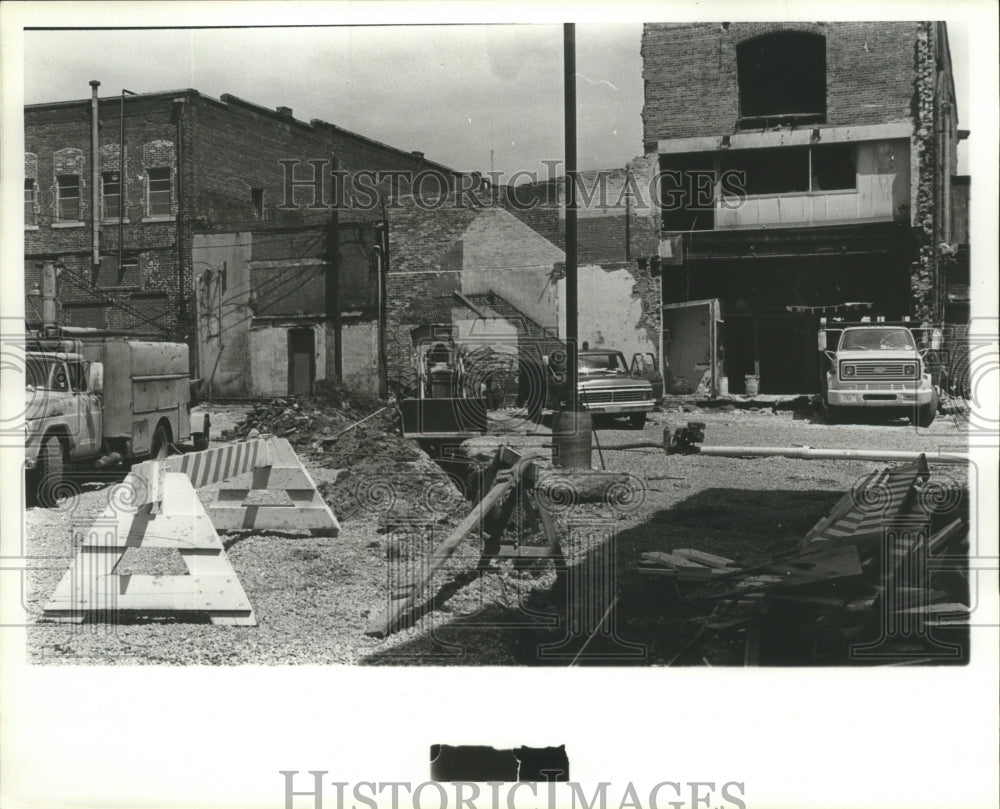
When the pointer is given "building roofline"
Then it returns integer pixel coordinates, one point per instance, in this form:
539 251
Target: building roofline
314 125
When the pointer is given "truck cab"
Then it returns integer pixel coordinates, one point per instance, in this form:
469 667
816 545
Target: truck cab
877 365
606 384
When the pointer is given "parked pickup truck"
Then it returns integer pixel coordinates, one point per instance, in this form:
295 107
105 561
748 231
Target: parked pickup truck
606 384
103 399
877 365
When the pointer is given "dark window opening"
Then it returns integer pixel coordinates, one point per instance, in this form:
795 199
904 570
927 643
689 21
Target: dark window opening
160 192
68 197
687 192
789 170
782 76
111 194
257 200
833 168
30 219
767 171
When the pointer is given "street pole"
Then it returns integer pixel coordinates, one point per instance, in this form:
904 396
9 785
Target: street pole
572 301
572 429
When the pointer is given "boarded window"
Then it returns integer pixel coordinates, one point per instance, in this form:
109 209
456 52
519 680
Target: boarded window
111 194
257 200
68 197
782 76
160 192
30 219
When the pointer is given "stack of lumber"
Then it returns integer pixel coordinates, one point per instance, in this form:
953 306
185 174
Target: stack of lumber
886 570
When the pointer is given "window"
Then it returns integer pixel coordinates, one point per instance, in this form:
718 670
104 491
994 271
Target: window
257 200
833 168
111 195
68 197
789 170
160 192
30 219
782 76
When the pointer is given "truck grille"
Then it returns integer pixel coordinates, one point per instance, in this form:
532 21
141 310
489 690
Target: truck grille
614 396
873 369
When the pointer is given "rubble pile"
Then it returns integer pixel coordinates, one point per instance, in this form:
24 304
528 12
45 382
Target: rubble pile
377 470
883 579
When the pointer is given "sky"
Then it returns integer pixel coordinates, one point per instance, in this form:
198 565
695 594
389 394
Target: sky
473 97
456 93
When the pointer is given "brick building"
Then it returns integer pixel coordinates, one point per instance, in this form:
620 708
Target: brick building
262 294
120 219
796 170
495 269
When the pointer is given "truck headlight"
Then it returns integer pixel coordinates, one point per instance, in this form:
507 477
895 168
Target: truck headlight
909 369
848 370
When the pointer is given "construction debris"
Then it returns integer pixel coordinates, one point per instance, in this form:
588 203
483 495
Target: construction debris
880 579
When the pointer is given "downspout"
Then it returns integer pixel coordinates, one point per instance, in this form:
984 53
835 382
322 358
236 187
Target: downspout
179 105
95 169
383 283
121 178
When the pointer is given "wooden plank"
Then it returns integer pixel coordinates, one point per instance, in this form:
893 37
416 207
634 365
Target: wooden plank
157 593
708 559
671 559
272 518
386 621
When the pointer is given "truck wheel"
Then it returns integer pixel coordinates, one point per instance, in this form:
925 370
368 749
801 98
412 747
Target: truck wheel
926 413
161 444
50 475
637 420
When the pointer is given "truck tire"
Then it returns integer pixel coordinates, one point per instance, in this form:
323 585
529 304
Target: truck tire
49 476
927 413
160 448
637 420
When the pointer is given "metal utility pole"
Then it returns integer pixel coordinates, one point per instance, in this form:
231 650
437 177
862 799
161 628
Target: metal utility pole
95 179
572 328
572 428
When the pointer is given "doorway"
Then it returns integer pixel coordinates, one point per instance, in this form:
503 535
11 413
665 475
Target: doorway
301 361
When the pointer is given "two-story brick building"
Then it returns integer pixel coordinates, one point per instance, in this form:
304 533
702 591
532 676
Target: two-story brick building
795 169
116 188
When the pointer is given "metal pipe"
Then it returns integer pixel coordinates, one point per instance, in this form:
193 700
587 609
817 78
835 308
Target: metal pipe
121 177
808 453
48 293
572 303
95 176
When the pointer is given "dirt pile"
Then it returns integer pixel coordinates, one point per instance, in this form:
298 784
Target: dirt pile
379 473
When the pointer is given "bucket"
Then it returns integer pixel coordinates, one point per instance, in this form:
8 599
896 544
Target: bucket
753 384
572 434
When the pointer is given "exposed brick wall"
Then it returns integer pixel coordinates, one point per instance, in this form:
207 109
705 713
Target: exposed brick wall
425 269
691 78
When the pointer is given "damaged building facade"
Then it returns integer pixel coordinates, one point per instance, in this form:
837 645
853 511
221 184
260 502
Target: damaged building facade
493 266
797 170
155 205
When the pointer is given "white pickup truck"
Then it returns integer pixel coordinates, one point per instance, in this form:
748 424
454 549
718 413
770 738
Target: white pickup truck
877 365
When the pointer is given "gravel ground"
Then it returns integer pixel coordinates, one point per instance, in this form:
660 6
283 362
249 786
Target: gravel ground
313 596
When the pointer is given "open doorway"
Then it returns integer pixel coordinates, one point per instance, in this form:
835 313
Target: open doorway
301 361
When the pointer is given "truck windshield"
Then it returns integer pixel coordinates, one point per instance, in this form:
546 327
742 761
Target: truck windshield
875 339
595 363
42 373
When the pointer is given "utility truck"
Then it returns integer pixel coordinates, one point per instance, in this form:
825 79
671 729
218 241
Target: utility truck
879 365
99 397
